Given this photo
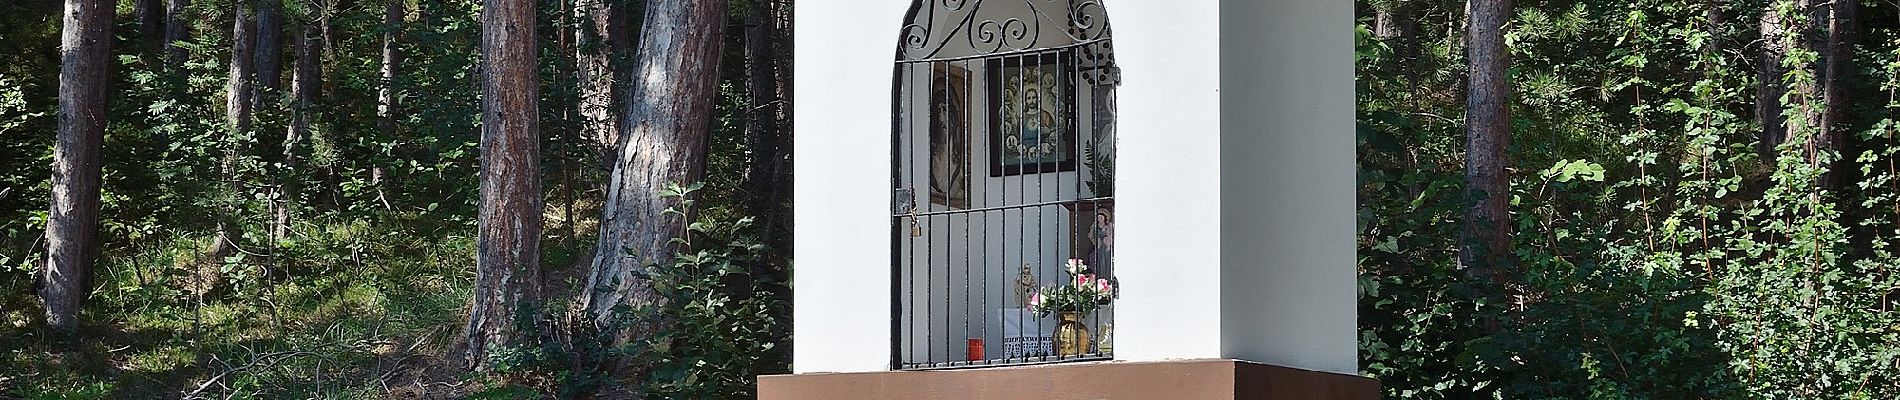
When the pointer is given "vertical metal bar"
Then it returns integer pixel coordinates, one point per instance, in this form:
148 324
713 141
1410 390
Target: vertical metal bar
964 151
897 223
981 249
978 184
1042 135
1072 85
1022 192
1074 77
930 243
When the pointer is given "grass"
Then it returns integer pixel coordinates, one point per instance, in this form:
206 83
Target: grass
346 309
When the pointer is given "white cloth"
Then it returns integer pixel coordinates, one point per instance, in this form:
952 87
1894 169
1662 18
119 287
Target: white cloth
1024 335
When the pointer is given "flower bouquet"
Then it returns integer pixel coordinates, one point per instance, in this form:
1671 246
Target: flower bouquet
1082 294
1074 300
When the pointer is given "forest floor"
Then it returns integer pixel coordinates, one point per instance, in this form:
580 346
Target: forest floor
346 310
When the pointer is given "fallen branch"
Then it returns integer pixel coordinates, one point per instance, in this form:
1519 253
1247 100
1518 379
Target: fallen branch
258 362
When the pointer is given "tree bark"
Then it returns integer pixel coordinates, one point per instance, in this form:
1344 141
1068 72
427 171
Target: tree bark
1394 25
762 127
1821 103
72 224
1769 87
667 125
386 90
237 114
177 24
1778 36
601 41
270 49
1485 250
508 255
1837 55
305 81
151 20
1386 18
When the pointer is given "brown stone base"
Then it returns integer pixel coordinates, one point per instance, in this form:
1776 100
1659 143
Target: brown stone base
1173 380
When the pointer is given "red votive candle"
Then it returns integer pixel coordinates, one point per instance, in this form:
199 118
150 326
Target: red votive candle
976 349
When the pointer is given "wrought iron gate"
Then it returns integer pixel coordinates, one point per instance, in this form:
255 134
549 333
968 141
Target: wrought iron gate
1002 169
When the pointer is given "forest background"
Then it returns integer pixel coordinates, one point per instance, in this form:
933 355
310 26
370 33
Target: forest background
357 199
1559 199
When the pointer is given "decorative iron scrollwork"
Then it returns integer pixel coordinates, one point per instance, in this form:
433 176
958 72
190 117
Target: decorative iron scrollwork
936 24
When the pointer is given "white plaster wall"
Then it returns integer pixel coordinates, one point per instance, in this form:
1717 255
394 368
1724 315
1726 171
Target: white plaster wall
1167 188
1288 268
841 282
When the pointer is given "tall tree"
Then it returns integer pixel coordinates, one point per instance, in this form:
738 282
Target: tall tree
387 96
1768 76
177 24
1837 55
270 49
601 41
667 124
1827 30
151 20
237 115
1393 24
305 82
763 129
72 223
508 254
393 11
1485 247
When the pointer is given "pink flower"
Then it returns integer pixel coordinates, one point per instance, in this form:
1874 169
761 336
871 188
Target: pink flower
1102 286
1076 266
1035 299
1082 280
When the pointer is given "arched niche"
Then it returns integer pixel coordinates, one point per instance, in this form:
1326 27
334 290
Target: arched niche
1003 143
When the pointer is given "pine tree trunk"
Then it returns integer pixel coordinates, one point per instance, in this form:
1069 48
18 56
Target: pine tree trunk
237 114
1769 85
177 24
386 90
151 20
602 41
387 95
1393 24
1837 55
779 229
270 50
507 265
762 129
304 85
1386 18
1486 230
667 125
72 224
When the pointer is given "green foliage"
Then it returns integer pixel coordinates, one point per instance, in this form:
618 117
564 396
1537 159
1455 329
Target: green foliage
1660 253
727 324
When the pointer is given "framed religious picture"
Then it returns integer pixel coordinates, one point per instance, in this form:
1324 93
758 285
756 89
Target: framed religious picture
950 136
1031 115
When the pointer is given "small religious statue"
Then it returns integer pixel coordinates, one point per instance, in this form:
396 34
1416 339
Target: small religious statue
1025 284
1102 236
